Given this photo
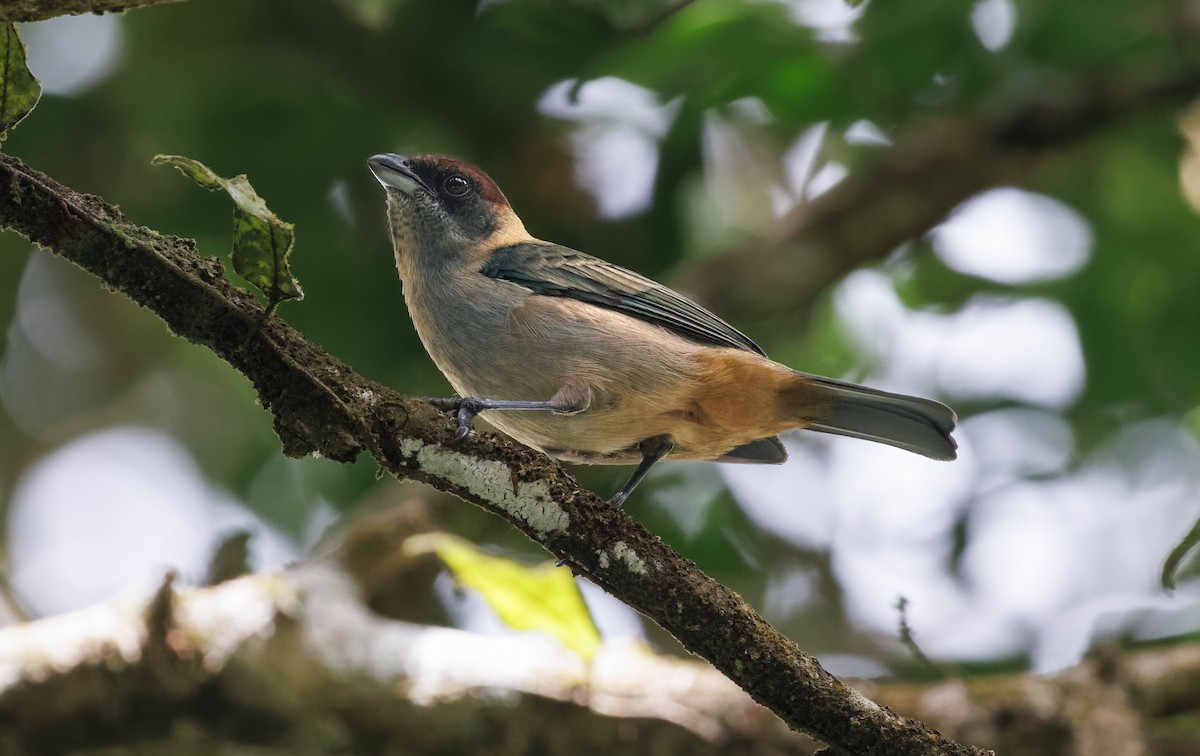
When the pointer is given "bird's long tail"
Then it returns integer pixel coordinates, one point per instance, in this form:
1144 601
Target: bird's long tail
847 409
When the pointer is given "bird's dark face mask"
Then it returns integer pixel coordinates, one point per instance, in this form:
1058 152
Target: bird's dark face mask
438 204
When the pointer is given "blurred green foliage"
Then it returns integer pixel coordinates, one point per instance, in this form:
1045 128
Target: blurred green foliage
298 95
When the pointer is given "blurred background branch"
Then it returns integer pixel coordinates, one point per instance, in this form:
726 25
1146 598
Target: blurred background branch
937 164
292 660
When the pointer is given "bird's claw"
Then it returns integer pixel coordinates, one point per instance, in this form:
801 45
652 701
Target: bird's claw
465 409
464 425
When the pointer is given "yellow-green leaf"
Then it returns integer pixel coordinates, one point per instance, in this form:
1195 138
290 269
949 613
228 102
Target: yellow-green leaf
19 91
261 241
543 598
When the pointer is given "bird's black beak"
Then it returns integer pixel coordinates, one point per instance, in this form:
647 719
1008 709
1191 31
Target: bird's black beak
394 172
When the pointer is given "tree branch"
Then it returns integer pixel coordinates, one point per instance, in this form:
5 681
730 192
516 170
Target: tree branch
40 10
320 406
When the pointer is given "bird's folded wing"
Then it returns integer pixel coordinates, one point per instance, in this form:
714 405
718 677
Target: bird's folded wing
556 271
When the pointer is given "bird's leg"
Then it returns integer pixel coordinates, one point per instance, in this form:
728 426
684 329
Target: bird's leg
653 449
467 407
573 397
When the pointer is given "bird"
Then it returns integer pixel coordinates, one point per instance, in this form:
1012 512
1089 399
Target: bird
592 363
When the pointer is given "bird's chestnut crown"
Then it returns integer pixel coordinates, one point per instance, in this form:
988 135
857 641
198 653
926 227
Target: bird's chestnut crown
444 179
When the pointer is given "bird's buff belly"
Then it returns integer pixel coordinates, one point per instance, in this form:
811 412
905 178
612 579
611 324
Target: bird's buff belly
594 436
611 434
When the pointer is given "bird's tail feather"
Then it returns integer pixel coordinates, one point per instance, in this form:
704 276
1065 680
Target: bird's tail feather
847 409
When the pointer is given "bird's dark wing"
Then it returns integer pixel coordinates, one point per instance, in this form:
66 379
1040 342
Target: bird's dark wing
556 271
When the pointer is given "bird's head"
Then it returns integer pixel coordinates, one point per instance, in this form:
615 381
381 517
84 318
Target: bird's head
443 210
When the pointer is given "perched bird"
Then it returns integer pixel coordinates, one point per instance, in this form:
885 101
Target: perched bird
592 363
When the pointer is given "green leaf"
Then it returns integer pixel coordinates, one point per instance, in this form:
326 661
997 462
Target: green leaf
1171 566
543 598
19 91
261 241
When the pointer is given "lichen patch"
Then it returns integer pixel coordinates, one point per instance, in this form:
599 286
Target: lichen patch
491 480
627 556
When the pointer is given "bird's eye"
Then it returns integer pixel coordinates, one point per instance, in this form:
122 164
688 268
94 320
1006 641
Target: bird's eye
456 186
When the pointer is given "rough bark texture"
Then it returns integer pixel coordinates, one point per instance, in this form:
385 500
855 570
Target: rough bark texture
320 406
39 10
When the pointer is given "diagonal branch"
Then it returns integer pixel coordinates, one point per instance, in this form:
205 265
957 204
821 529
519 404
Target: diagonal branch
320 406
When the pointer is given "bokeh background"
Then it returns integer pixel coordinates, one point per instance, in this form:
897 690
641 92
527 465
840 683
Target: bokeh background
990 203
